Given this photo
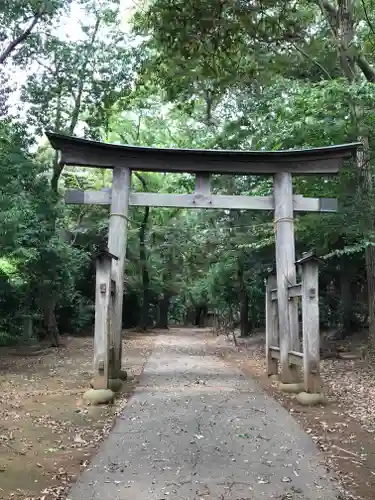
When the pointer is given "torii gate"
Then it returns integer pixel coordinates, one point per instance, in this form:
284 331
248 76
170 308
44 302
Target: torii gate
124 159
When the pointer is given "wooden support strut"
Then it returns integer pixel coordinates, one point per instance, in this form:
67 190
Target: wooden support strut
286 274
203 184
294 357
103 317
272 327
293 291
310 322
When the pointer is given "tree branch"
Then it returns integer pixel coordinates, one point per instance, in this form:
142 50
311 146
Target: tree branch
142 179
19 39
366 68
370 25
312 59
81 85
331 14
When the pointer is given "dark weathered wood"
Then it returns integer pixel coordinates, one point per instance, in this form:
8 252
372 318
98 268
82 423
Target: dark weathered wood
198 200
78 197
275 352
75 151
286 274
203 183
102 322
293 291
117 240
310 326
294 357
272 330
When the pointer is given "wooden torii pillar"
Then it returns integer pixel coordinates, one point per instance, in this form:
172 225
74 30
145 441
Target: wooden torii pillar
203 163
105 298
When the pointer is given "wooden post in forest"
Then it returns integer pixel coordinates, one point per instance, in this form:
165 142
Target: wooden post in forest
272 327
309 356
310 321
117 241
286 274
103 319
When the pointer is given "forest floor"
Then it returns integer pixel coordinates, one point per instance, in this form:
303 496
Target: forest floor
47 434
197 428
344 429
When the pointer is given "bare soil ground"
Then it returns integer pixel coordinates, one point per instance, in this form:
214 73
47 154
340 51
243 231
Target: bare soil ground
344 429
47 434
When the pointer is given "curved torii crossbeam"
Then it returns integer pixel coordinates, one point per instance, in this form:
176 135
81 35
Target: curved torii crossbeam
280 164
84 152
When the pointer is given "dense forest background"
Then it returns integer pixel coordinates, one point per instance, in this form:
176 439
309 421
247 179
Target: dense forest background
261 74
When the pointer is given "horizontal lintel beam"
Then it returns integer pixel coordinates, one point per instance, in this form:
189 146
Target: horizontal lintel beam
293 291
197 200
294 357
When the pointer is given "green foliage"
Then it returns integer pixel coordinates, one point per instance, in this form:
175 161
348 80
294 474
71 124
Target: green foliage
80 81
192 74
34 261
23 24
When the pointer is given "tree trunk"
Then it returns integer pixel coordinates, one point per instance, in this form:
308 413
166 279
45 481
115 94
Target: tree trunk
18 40
346 303
370 271
243 299
342 25
50 323
197 320
163 308
189 316
145 319
200 314
49 303
244 313
343 17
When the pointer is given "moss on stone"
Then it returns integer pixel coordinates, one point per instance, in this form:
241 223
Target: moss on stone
115 384
292 388
99 396
311 399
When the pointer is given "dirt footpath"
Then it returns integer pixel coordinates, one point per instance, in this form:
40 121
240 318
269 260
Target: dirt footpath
197 428
47 434
344 430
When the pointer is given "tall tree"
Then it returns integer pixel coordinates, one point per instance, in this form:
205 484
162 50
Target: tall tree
76 78
343 19
20 20
272 42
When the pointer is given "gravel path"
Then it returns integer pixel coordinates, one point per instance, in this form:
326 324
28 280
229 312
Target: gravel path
197 429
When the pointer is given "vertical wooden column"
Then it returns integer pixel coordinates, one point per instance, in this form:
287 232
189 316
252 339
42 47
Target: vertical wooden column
272 328
203 183
310 323
286 274
102 320
117 240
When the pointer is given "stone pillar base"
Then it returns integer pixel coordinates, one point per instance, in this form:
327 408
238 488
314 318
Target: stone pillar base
99 397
